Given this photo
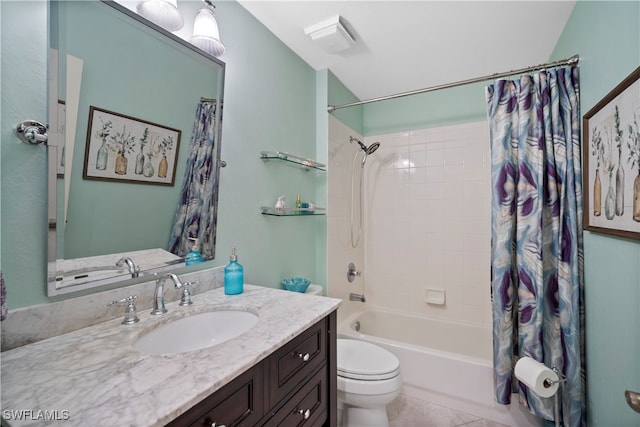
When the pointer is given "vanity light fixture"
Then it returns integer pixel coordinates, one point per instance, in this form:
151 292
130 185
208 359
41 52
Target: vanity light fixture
331 35
206 34
164 13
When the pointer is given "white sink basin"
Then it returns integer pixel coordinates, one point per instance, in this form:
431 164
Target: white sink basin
195 332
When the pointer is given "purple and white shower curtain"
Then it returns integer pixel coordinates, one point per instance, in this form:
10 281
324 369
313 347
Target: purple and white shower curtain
537 265
197 211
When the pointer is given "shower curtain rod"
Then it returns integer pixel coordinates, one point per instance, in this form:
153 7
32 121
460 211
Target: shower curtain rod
569 61
203 99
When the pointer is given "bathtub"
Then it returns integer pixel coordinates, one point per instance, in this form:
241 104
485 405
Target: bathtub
443 362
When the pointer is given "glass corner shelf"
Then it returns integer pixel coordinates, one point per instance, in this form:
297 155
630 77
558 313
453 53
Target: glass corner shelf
286 157
268 210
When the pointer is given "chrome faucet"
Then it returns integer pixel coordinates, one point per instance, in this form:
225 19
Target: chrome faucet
133 268
158 294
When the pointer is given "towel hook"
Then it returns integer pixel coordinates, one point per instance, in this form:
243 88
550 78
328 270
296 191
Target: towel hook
32 132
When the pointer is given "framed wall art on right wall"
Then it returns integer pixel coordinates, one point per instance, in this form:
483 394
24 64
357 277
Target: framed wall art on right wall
611 157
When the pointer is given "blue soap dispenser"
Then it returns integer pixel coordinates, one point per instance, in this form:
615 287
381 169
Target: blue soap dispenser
194 256
233 275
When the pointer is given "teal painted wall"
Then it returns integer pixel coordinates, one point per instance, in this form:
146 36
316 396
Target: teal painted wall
463 104
339 94
606 35
24 183
270 104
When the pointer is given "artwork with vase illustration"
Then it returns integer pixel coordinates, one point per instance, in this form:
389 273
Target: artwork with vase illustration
611 155
125 148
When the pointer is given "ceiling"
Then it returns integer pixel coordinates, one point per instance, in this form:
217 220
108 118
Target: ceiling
407 45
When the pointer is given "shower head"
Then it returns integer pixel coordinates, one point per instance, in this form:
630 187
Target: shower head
368 150
372 148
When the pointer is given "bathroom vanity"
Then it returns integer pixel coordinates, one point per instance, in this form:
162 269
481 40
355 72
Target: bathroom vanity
280 372
290 387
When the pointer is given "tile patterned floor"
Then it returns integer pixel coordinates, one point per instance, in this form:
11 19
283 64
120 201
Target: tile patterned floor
406 411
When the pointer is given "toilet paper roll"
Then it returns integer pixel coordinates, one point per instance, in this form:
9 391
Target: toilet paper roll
533 374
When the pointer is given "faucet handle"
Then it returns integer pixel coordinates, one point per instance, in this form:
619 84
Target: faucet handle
185 299
352 273
130 315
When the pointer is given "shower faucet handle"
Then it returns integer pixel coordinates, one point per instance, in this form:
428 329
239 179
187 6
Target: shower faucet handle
352 273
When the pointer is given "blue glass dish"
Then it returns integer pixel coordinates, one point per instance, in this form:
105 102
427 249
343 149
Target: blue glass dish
296 284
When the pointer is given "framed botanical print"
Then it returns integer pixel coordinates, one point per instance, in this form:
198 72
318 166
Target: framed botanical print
611 156
124 148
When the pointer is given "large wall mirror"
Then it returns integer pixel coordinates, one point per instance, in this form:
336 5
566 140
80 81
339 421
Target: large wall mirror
119 83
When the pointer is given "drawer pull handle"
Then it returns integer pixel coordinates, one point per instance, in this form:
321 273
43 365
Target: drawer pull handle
216 425
305 414
305 357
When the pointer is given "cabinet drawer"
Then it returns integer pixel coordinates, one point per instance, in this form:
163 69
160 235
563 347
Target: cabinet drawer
308 407
289 365
239 403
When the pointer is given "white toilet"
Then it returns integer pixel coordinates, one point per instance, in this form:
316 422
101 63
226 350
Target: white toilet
314 289
368 380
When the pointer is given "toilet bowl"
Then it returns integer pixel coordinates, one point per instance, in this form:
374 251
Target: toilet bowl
368 380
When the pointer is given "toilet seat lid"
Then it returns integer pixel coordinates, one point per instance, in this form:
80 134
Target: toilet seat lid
362 360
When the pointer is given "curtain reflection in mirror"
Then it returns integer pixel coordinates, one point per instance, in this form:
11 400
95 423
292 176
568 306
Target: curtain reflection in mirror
196 212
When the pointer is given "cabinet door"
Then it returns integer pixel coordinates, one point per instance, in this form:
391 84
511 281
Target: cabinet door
308 407
239 403
292 363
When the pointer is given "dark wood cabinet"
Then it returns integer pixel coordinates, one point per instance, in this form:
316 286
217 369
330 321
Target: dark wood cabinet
296 360
239 403
294 386
308 407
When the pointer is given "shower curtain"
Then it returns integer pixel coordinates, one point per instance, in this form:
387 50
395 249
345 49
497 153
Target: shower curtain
536 260
196 212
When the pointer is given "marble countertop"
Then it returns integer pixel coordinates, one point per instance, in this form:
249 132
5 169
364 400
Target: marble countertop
93 377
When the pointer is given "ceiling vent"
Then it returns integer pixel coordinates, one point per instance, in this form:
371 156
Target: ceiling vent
330 35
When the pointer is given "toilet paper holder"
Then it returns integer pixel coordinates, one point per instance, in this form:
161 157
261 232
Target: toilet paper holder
548 383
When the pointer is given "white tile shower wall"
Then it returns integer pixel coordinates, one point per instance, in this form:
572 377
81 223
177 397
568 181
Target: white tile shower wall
427 221
339 250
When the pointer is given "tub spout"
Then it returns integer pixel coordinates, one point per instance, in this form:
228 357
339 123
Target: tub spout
356 297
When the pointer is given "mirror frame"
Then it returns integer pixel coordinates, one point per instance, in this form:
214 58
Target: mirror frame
52 157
